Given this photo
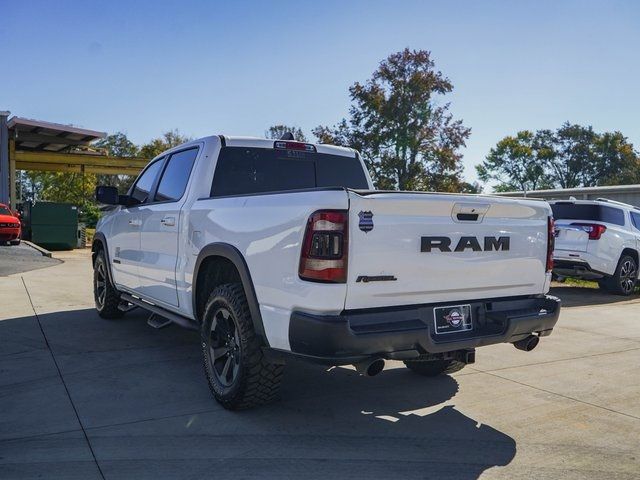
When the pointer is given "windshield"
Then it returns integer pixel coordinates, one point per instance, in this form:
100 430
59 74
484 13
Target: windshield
5 211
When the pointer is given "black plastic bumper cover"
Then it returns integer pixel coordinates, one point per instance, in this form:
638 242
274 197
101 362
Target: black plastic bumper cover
407 332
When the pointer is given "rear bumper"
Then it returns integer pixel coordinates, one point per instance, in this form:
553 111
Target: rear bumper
578 261
408 332
576 268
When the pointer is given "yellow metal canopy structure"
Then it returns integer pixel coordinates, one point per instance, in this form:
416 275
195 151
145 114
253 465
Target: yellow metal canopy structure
76 162
35 145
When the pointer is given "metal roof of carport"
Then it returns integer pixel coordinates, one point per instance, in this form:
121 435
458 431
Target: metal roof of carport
53 147
38 135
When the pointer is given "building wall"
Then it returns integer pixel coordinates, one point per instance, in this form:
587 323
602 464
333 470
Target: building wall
624 193
624 197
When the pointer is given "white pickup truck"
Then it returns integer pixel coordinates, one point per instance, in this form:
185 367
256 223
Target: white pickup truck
278 248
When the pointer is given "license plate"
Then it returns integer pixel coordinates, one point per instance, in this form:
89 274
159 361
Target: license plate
452 319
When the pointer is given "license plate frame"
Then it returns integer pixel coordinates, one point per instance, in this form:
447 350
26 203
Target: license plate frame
452 319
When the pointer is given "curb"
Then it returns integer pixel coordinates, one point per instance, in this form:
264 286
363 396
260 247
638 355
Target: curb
43 251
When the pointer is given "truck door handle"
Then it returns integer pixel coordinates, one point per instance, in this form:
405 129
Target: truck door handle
135 222
168 221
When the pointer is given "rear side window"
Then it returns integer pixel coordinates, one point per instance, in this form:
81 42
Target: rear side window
145 182
339 171
588 212
176 175
635 219
242 171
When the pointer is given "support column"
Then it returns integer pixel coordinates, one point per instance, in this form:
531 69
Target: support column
12 173
4 157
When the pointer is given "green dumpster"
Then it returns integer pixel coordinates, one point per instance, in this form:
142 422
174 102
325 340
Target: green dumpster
54 226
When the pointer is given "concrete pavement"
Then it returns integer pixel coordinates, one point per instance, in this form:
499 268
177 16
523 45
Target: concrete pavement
22 258
81 397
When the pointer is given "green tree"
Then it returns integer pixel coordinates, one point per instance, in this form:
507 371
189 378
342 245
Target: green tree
276 132
568 157
405 133
66 187
169 139
584 158
571 157
617 161
117 145
516 163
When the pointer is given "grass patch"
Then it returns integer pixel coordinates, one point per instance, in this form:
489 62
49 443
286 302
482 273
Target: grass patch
91 232
577 282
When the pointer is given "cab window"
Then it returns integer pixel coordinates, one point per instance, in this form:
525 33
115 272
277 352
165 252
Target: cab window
176 175
144 184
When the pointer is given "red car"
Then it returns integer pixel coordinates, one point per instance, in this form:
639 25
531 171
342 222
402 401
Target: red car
10 229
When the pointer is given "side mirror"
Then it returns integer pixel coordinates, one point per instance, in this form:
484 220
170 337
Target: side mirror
107 195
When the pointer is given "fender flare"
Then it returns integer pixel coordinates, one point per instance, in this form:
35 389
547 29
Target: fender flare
232 254
100 239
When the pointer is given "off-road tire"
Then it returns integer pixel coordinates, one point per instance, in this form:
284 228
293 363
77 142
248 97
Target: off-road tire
257 381
107 304
620 283
433 368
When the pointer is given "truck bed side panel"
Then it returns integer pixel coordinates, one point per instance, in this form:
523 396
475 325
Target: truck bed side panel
268 231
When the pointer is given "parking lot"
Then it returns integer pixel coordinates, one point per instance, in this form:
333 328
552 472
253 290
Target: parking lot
81 397
22 258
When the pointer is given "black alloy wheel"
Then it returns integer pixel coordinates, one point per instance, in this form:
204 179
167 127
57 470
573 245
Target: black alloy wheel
100 285
225 349
628 275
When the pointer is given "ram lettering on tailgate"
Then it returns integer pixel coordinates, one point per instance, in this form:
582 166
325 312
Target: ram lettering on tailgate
443 244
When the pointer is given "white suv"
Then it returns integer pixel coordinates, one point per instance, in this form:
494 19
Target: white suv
597 240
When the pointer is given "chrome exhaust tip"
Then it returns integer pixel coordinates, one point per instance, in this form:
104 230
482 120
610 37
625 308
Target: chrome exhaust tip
370 368
527 344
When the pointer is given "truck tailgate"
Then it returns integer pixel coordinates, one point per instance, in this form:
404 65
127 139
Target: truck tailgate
415 248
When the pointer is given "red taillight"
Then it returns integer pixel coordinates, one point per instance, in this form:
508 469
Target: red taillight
551 241
324 248
284 145
594 230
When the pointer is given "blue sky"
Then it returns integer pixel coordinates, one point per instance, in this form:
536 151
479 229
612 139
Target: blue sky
236 67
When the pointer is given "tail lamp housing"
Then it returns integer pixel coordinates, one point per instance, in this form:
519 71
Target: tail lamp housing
595 230
325 247
551 242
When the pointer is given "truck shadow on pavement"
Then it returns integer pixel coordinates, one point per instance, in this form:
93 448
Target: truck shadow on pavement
397 424
143 402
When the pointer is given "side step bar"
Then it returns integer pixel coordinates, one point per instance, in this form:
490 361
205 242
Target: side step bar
126 307
175 318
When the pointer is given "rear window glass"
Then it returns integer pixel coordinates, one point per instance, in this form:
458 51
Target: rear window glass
242 171
590 212
635 219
